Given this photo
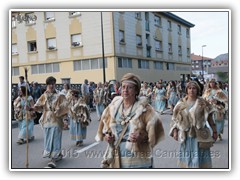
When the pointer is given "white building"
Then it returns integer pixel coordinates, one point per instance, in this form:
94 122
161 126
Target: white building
153 45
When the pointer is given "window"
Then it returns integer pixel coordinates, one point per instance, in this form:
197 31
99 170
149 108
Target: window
45 68
30 18
15 71
41 68
32 46
143 64
85 64
158 65
94 64
121 36
124 63
139 40
179 50
138 15
77 65
75 13
188 51
49 16
179 29
51 43
157 21
170 47
158 45
14 49
169 25
76 40
101 63
89 64
56 67
187 32
13 21
170 66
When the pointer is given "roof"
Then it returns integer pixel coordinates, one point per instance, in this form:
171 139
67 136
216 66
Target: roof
177 18
199 58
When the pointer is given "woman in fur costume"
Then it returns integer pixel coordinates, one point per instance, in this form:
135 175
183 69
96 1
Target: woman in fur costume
191 115
54 106
142 124
20 109
79 118
218 99
98 99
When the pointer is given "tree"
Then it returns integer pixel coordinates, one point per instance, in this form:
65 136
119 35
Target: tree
223 76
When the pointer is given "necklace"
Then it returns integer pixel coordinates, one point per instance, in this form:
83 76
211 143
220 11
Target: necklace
126 119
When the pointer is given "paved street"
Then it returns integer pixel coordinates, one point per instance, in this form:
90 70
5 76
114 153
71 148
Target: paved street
90 154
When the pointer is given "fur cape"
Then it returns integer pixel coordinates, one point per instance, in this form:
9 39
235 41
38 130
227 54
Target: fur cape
145 120
220 97
80 113
55 113
185 120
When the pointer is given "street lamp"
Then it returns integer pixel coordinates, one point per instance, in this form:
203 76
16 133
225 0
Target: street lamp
202 63
104 73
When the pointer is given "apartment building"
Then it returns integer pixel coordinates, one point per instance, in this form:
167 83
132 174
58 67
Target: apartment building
68 45
200 64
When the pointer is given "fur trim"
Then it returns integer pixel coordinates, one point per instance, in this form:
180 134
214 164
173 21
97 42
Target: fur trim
185 120
145 121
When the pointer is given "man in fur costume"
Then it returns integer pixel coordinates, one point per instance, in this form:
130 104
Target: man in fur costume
190 125
132 125
54 107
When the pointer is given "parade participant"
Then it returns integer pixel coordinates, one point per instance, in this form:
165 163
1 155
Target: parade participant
146 91
54 106
79 118
98 99
22 115
160 100
66 91
191 123
131 126
218 99
85 92
172 96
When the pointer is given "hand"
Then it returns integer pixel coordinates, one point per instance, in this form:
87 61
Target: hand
175 134
109 138
138 137
215 135
27 107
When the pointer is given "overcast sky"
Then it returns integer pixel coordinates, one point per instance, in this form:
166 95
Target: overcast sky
211 29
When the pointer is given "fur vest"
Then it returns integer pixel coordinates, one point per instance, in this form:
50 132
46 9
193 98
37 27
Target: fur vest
79 112
222 100
145 121
54 107
187 120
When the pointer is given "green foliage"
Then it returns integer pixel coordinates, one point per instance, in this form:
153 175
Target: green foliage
223 76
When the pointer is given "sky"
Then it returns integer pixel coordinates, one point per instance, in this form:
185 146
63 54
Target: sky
211 29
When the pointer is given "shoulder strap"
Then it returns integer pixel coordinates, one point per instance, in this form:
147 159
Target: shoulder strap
121 135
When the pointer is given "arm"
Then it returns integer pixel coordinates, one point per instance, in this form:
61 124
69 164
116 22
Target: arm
213 126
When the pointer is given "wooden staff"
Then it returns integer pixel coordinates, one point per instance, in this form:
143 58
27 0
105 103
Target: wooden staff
26 116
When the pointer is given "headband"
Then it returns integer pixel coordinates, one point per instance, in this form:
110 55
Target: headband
129 81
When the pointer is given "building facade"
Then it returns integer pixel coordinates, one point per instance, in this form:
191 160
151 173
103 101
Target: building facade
68 45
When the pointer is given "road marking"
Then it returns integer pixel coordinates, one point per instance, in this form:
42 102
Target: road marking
88 147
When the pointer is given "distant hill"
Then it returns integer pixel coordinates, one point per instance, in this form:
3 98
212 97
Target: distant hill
221 57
